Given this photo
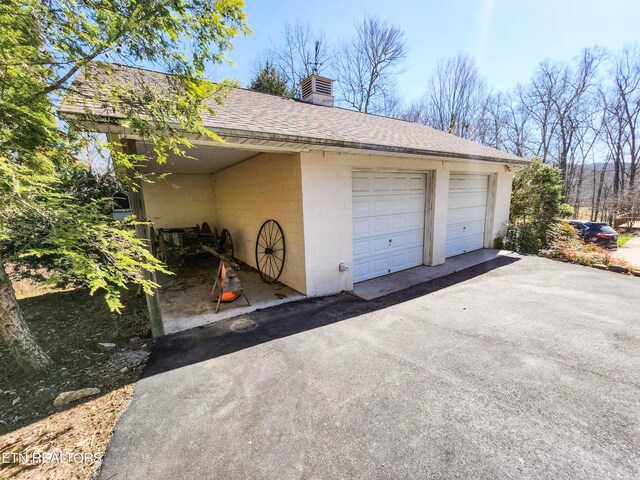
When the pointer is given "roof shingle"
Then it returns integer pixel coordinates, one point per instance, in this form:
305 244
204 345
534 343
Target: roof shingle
250 111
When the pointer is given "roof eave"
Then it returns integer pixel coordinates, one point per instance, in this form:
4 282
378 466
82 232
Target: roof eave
227 132
312 141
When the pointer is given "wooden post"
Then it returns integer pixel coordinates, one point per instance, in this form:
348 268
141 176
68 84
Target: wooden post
136 201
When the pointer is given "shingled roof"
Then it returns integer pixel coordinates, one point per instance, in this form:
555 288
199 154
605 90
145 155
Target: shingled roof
250 114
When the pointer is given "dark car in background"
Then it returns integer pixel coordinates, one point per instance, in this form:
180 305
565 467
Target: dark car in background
598 233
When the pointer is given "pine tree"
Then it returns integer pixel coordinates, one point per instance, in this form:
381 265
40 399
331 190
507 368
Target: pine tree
269 80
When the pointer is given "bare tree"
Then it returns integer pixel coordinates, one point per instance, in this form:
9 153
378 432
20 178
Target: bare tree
627 80
367 64
392 106
621 105
560 101
628 207
454 100
589 136
492 124
518 127
299 53
537 99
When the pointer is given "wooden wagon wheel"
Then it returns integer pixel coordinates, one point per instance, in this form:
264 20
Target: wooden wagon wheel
270 251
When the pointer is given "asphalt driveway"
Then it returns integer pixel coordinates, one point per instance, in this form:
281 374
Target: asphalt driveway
528 369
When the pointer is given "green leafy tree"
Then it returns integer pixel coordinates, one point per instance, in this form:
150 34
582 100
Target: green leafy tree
26 230
536 204
44 44
269 80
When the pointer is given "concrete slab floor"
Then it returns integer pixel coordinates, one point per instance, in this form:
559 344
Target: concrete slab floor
187 302
381 286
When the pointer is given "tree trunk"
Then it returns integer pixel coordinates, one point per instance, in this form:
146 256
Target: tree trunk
599 206
15 331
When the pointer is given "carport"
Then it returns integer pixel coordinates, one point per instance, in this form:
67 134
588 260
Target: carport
184 192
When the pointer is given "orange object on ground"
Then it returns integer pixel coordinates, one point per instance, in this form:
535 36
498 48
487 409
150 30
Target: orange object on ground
227 283
229 296
226 296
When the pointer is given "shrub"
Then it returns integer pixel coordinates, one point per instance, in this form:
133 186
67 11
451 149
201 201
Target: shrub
564 244
522 238
535 204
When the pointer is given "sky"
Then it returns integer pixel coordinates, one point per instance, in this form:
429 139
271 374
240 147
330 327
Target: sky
508 38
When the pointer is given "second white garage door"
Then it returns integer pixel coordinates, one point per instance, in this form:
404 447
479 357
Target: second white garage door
388 223
466 213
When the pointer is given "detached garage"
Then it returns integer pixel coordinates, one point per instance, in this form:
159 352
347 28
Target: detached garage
358 196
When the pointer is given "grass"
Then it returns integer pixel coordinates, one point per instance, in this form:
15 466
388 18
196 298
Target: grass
624 238
68 325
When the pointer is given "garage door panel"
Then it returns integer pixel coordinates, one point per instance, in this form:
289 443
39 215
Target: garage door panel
381 205
376 205
360 184
379 245
475 227
371 267
406 184
416 183
468 182
409 221
398 260
361 248
476 182
408 204
361 227
381 184
415 256
400 184
379 265
464 244
361 207
466 213
468 200
465 229
388 223
407 239
471 214
380 225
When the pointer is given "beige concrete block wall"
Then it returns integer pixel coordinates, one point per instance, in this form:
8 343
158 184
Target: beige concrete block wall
264 187
180 200
327 200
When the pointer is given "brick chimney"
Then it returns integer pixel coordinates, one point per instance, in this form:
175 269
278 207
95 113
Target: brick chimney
317 90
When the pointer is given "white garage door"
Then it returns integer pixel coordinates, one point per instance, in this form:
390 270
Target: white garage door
388 223
467 210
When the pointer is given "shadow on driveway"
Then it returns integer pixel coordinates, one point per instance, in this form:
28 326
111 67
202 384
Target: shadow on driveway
223 337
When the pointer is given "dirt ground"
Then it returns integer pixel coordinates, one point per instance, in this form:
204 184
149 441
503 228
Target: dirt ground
39 440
